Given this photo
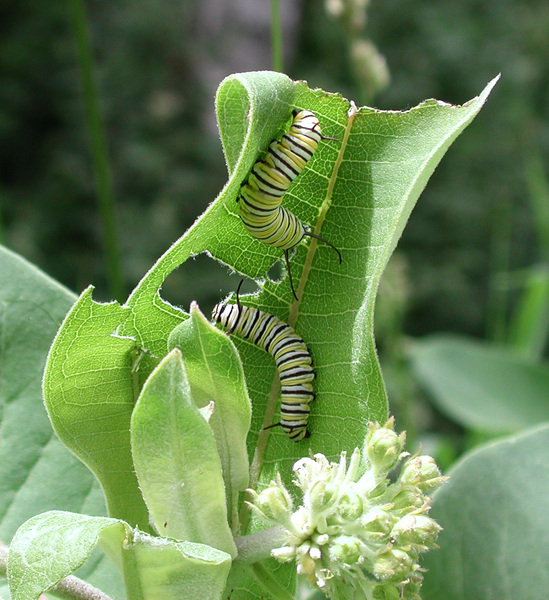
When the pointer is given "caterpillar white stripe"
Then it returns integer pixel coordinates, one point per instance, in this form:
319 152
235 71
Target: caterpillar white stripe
292 357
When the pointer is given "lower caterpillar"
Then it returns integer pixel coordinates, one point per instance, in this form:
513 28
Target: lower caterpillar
292 357
261 195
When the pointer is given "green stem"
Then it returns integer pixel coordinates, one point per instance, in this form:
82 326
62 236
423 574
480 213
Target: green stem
276 36
98 144
257 546
2 233
497 303
538 188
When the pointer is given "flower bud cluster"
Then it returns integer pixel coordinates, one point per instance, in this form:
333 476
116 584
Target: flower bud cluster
358 534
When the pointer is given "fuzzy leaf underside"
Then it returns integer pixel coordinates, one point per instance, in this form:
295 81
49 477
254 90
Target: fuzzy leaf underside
494 512
52 545
481 386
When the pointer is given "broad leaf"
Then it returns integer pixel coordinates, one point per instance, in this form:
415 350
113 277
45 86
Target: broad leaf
37 472
216 376
495 517
480 386
176 460
356 193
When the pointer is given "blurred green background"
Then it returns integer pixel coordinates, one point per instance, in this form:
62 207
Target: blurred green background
480 229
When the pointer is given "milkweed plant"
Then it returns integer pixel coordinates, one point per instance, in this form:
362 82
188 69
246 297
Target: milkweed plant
185 481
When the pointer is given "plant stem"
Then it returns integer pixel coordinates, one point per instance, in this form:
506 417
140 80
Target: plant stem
98 144
276 36
497 302
257 546
2 234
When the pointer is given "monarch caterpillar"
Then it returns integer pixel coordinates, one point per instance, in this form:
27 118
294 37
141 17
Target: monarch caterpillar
259 202
292 357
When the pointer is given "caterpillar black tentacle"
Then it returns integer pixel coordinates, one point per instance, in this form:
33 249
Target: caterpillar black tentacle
261 195
293 360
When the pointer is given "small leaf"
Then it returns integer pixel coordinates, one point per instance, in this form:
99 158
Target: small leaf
215 375
495 517
162 569
480 386
89 395
50 546
176 460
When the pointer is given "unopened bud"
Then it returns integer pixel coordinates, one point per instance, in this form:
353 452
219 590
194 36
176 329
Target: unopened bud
321 495
350 507
346 549
393 566
408 499
383 448
274 503
379 522
423 472
285 554
419 531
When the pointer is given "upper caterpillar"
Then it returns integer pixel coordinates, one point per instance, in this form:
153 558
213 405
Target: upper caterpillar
259 202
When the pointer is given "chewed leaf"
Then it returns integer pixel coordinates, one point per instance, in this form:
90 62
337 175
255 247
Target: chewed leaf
89 395
356 193
254 106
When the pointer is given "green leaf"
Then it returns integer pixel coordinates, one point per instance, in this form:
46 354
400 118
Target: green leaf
89 395
50 546
176 460
157 568
32 307
357 194
495 517
480 386
215 375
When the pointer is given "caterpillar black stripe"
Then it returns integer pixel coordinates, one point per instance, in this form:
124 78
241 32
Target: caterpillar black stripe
292 357
259 202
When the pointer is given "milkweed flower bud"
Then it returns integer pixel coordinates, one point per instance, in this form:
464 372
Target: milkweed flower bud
358 534
394 565
416 530
274 503
384 447
423 472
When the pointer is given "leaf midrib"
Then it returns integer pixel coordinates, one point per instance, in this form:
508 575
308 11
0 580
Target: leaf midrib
263 436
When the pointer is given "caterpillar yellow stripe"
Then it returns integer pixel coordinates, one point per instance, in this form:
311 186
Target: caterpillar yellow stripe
261 195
